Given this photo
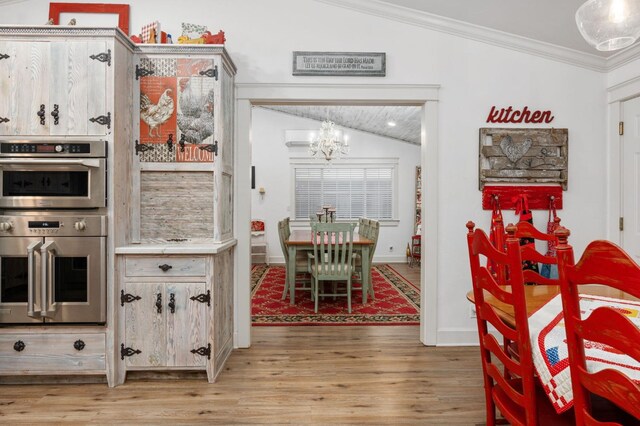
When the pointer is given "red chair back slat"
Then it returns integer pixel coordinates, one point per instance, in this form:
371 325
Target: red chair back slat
519 407
606 264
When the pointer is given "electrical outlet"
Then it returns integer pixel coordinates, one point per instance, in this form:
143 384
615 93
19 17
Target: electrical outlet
472 311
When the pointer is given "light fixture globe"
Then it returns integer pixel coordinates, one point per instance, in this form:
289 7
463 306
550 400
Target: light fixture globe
609 24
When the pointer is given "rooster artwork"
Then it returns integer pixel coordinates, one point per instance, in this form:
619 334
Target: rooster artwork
155 115
195 113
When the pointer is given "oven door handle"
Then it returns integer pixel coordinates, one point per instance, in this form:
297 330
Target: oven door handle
31 251
46 162
47 252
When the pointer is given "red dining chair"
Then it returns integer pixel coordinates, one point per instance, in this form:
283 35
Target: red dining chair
510 383
606 264
528 252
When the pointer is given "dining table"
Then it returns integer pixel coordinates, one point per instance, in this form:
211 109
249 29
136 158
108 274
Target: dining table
548 338
302 240
536 296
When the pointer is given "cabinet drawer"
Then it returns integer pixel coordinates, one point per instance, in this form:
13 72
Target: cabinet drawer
36 353
165 267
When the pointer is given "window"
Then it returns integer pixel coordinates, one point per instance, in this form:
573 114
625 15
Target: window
354 190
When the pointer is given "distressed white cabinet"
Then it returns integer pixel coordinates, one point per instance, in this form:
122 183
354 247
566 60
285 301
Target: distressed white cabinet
176 311
184 146
165 325
54 88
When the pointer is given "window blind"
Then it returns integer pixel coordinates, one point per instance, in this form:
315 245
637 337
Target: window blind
354 191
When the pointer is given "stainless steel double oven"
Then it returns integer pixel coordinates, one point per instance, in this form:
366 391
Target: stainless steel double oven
53 231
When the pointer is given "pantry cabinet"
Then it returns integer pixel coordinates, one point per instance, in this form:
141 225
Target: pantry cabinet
184 146
54 88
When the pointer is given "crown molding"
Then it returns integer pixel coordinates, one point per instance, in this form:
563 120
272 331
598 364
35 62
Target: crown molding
623 57
475 32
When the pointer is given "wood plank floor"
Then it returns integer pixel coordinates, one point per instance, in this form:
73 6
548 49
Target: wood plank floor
290 375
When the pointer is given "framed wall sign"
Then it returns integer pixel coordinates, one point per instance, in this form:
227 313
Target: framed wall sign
367 64
121 10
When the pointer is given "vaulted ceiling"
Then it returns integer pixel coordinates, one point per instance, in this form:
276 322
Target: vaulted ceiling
370 119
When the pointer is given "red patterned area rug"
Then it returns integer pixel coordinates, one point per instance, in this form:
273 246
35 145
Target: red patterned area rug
396 302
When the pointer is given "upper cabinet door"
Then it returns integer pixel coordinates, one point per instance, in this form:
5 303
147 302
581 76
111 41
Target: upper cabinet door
24 88
179 103
78 88
53 88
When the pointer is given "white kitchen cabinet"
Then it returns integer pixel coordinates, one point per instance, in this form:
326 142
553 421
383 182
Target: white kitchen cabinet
184 145
176 311
165 325
54 88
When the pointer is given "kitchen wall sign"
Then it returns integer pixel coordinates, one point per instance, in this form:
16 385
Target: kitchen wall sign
360 64
523 156
525 115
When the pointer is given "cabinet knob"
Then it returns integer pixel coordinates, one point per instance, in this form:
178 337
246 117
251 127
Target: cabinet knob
165 267
19 346
78 345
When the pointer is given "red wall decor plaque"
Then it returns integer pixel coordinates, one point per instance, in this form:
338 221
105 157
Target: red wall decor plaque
122 10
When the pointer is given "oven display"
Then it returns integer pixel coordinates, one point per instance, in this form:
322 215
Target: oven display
43 224
45 148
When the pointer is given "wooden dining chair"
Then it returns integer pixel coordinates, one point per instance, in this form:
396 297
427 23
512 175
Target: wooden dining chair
371 232
302 263
606 264
510 383
528 252
332 258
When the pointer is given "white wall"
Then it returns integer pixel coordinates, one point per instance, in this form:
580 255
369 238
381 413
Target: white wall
473 76
271 158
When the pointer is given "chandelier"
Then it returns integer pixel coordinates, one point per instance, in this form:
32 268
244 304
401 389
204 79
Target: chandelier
609 24
327 144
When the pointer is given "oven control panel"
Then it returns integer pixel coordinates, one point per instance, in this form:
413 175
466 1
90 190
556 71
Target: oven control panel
60 224
44 148
53 148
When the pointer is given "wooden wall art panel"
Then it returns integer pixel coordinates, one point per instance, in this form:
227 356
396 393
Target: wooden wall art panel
524 156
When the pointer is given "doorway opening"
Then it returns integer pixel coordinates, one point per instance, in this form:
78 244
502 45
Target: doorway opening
251 95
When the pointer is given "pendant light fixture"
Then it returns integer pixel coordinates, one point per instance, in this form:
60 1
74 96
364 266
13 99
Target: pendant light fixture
328 144
609 24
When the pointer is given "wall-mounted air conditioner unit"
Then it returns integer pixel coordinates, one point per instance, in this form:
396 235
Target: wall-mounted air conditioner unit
302 138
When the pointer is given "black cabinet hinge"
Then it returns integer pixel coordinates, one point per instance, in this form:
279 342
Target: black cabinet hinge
4 120
103 57
210 148
128 351
143 72
203 351
203 298
127 298
143 147
4 56
211 72
104 120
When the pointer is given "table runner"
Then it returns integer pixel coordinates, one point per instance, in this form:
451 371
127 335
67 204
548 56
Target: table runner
549 347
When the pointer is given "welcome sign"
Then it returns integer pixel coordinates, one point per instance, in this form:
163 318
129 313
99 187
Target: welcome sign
367 64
